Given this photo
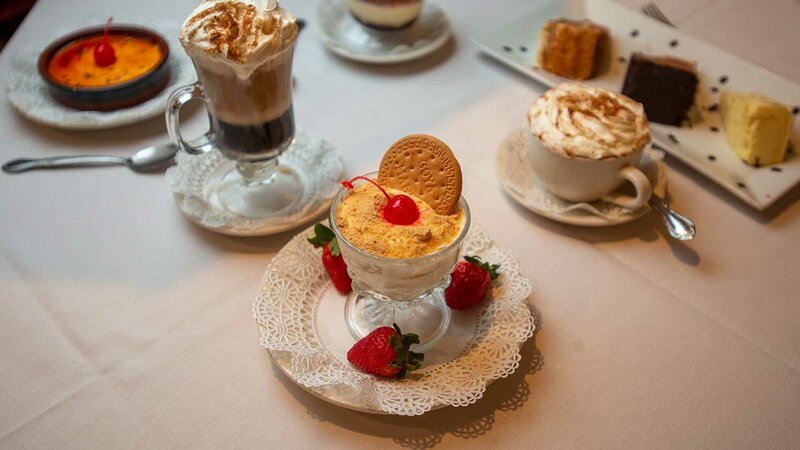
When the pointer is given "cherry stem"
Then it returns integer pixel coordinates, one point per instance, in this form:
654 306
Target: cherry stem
349 185
105 30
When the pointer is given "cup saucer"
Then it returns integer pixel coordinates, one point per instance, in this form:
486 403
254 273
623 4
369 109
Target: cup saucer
516 175
346 37
194 181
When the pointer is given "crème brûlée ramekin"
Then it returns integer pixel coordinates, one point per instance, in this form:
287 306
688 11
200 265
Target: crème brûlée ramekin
385 14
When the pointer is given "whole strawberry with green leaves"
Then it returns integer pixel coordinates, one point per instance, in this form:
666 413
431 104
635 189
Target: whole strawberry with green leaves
469 282
332 257
385 352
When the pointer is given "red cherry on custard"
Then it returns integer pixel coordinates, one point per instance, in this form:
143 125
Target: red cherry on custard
401 210
104 55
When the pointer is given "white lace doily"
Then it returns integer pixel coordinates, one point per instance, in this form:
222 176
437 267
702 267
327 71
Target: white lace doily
345 36
193 180
517 176
28 93
287 309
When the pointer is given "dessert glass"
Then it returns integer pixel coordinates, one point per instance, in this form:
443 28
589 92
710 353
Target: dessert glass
405 291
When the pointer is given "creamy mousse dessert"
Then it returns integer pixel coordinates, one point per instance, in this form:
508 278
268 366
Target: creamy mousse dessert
757 127
361 220
385 14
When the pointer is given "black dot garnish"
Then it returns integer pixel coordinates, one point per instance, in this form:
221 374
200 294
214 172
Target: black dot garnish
796 110
758 162
714 89
507 48
713 107
673 43
634 33
522 48
712 158
741 185
723 79
714 129
672 138
622 59
775 169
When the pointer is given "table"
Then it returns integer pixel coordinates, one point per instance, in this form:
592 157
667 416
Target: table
125 326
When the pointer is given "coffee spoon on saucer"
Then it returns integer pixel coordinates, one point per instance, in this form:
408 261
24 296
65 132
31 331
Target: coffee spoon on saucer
146 159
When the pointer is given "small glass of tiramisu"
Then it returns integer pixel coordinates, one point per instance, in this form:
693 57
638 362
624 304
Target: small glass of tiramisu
385 14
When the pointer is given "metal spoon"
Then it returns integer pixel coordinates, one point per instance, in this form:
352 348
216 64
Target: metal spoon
144 160
679 226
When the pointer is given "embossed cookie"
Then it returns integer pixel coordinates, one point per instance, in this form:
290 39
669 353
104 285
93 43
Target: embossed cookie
423 166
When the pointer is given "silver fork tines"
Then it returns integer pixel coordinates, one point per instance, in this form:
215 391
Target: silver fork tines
652 11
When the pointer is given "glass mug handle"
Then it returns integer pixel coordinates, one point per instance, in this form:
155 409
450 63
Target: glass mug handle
176 100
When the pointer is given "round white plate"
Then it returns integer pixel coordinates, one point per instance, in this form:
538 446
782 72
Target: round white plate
193 180
28 93
346 37
516 174
301 319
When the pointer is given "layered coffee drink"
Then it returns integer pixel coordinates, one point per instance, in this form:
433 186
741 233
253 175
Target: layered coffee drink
242 51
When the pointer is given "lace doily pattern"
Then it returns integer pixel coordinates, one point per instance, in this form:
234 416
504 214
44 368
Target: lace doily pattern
515 172
193 178
28 93
286 308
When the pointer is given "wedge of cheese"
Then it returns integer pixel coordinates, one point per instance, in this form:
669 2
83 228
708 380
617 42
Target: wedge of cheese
757 127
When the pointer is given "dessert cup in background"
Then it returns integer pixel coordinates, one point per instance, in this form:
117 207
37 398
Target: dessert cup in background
385 14
585 142
406 291
244 73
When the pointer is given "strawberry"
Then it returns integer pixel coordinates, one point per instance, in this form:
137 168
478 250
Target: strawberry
332 257
384 352
469 282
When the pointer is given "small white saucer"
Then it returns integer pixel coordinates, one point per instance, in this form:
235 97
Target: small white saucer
346 37
193 180
516 174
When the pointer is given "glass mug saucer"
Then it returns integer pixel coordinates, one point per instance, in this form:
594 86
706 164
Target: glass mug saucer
405 291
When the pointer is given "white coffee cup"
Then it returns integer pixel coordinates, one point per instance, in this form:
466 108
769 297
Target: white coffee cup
584 180
585 142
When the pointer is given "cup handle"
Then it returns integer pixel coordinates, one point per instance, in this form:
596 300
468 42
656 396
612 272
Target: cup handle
643 190
176 100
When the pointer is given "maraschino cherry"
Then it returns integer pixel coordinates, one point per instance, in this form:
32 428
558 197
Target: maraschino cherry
399 209
104 55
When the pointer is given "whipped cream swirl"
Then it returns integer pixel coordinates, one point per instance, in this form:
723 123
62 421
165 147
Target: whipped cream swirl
581 121
239 34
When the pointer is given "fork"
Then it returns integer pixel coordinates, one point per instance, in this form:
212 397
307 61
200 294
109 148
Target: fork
652 11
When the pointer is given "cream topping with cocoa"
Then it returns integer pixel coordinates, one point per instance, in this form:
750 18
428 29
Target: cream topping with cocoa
359 220
581 121
239 34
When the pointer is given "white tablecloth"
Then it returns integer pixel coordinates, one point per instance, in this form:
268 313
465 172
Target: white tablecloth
125 326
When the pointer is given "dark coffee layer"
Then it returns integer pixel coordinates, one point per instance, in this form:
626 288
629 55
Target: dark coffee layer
256 141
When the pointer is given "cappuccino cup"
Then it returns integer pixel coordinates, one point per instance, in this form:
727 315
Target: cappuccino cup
585 142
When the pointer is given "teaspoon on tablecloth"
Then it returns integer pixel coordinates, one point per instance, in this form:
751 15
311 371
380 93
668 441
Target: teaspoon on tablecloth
679 226
146 159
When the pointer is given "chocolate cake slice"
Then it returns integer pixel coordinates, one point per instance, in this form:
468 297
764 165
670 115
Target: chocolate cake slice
664 85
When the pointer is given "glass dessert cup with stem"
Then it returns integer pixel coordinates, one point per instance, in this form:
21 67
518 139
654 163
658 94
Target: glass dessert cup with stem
405 291
252 123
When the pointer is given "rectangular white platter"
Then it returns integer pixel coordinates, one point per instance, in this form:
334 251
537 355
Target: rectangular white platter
704 145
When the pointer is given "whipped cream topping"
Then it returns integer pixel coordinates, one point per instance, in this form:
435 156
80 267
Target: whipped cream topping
581 121
239 34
